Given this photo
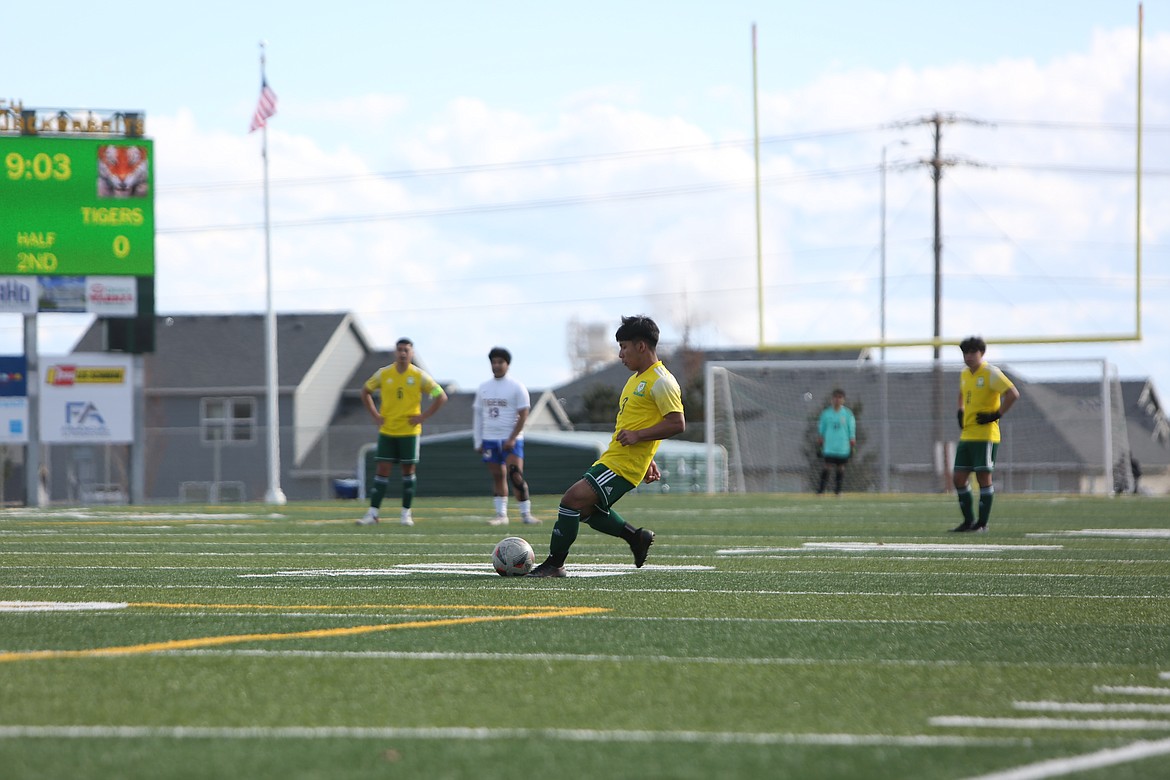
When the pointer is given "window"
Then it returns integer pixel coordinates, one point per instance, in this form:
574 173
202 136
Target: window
227 420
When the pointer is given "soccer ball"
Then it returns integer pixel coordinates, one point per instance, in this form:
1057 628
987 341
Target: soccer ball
513 557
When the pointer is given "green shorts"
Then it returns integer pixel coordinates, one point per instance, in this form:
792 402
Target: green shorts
976 455
608 486
397 449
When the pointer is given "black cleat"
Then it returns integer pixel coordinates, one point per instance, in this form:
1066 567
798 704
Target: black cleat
963 528
548 569
979 528
640 545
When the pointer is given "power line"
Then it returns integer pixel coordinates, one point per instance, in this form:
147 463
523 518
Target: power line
541 203
456 170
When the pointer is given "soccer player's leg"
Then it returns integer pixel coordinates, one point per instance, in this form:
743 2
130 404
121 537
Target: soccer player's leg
381 480
986 496
493 459
577 498
515 466
614 524
408 450
986 488
609 488
962 476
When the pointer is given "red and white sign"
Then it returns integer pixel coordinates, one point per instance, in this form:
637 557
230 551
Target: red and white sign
111 296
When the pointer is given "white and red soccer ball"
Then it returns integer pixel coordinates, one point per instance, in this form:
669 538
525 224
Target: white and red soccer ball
513 557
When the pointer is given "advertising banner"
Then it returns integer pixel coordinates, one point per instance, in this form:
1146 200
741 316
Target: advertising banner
13 375
87 398
19 295
111 296
13 420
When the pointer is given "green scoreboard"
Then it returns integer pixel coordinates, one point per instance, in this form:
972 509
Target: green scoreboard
76 206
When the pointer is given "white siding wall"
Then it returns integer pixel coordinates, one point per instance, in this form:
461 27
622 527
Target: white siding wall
316 399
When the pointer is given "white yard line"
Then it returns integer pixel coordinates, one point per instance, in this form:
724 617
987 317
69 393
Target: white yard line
60 606
926 547
1108 533
1132 690
479 734
932 547
377 655
1056 767
1061 724
549 587
1074 706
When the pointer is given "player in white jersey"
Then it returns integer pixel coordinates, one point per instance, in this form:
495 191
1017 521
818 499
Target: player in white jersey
497 423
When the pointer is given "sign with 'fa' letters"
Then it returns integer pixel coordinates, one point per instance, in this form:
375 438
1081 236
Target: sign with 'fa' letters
87 398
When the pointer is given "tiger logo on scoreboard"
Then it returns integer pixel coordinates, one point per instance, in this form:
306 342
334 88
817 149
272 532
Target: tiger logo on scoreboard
123 171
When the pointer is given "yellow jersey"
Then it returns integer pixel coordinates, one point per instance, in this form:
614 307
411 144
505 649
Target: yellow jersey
646 399
981 390
401 397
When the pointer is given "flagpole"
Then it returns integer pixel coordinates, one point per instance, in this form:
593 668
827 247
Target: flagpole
759 229
274 495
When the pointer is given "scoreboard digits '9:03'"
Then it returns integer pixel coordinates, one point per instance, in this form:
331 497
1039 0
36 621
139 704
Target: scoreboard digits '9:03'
76 206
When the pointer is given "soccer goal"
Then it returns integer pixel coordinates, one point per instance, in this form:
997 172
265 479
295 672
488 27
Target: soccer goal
1067 433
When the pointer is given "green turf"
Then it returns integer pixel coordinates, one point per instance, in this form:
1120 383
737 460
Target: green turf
768 636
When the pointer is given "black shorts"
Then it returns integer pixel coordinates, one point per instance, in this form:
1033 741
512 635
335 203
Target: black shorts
837 460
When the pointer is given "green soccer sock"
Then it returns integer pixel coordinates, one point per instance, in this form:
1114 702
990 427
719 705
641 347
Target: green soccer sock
966 500
408 491
607 522
378 492
564 533
985 497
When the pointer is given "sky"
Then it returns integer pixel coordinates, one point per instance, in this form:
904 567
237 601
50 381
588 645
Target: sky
469 174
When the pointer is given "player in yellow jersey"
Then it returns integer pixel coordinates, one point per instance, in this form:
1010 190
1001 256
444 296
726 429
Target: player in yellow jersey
400 387
985 395
649 411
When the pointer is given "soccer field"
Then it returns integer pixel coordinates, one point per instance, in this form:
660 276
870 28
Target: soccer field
769 636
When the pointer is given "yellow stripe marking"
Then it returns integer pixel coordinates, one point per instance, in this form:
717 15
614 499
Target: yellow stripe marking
167 605
320 633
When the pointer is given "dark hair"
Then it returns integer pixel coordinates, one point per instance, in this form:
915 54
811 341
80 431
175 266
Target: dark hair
838 391
973 344
500 352
404 340
638 328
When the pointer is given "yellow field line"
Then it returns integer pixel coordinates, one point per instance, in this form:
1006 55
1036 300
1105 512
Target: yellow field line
321 633
166 605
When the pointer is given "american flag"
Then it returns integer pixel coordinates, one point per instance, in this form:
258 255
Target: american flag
265 107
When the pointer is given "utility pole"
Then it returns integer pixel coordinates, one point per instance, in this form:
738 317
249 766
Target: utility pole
936 163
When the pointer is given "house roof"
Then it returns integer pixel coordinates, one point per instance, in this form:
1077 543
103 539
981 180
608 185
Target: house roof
685 364
1149 428
199 351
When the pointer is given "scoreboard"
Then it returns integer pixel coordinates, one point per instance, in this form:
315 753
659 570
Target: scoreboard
76 206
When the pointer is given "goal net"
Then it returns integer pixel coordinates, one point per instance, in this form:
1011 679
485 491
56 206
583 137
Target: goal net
1066 434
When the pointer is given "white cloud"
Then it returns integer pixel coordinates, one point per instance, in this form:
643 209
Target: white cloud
459 282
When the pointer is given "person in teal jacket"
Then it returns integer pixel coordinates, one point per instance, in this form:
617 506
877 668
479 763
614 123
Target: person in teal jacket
837 437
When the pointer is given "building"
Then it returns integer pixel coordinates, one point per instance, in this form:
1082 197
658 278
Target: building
205 418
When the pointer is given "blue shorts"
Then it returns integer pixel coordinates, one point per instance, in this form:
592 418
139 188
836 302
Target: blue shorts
493 451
